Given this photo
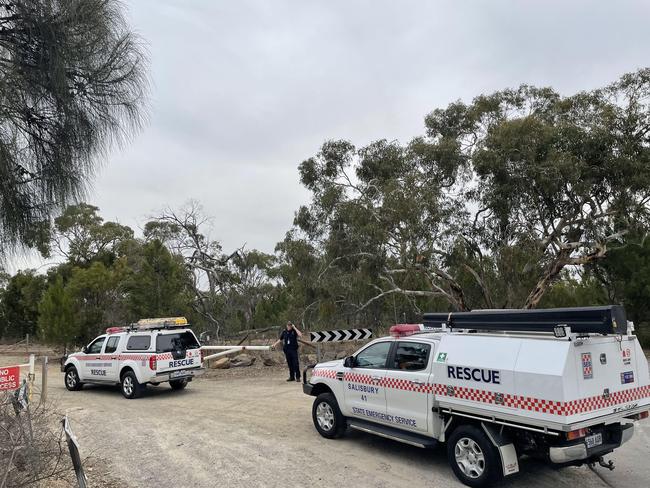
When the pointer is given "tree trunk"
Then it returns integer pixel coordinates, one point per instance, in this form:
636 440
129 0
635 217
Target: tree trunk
547 278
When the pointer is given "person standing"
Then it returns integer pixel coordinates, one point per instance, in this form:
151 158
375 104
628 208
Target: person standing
289 339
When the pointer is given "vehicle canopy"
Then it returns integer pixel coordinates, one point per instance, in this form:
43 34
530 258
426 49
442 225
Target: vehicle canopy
546 374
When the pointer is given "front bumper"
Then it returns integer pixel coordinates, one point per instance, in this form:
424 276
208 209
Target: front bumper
613 438
307 388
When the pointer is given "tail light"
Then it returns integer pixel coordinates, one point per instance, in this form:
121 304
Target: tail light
640 416
576 434
153 363
202 354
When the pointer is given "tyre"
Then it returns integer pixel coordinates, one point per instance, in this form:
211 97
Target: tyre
327 416
130 386
473 458
71 379
178 384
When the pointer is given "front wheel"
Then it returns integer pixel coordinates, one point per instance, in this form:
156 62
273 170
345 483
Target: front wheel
72 381
473 458
178 384
327 417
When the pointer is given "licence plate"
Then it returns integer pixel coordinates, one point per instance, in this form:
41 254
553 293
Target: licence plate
594 440
176 374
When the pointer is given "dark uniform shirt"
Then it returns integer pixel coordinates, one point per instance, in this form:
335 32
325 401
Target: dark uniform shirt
289 339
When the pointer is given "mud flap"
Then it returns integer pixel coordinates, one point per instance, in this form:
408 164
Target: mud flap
509 460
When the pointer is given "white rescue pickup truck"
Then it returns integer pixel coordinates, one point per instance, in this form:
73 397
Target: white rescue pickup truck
152 351
564 385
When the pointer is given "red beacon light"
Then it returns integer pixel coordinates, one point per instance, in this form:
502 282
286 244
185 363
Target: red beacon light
115 330
403 330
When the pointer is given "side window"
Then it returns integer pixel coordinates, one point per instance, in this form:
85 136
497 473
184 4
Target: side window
96 347
138 343
411 356
374 356
111 344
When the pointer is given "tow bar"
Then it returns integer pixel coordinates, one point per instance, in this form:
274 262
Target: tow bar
605 464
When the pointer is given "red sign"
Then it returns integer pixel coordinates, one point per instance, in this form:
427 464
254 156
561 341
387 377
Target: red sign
9 378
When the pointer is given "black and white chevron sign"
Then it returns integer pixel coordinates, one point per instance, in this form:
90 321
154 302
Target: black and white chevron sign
340 335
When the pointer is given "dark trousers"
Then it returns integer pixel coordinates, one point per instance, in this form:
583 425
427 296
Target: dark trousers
292 362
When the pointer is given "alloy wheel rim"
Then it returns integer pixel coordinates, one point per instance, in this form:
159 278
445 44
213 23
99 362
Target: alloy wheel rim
325 416
127 384
469 457
71 379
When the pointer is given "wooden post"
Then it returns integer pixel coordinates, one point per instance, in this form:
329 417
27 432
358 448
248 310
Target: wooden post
31 376
44 380
318 353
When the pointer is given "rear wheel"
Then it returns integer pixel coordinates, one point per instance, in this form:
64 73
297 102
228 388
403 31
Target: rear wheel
130 386
473 458
178 384
72 381
327 417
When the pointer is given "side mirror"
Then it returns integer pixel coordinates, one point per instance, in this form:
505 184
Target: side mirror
349 362
84 349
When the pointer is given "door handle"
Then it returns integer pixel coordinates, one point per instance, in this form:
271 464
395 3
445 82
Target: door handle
417 382
376 378
113 357
339 375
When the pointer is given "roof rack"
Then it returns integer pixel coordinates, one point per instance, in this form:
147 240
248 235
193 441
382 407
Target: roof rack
161 323
152 324
609 319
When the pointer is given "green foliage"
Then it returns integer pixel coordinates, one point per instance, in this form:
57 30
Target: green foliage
73 83
19 304
56 322
489 208
81 236
158 283
96 293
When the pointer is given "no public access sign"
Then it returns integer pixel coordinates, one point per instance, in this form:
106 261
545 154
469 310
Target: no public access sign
9 378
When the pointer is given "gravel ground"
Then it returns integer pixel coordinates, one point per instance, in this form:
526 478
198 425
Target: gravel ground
248 427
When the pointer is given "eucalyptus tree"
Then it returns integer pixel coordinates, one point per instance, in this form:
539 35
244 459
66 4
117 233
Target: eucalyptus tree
488 208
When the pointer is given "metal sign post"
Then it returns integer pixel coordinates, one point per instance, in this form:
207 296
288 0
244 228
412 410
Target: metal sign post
73 447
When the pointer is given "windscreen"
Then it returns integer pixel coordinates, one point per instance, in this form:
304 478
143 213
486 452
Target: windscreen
180 340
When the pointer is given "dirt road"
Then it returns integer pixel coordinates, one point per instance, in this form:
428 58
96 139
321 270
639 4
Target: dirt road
240 431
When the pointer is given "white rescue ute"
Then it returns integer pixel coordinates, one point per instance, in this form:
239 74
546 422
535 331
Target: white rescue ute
563 385
152 351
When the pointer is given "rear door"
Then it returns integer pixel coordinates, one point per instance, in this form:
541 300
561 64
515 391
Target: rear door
111 357
363 389
408 391
608 376
177 351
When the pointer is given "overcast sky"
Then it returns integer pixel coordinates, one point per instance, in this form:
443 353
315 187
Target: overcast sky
243 91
